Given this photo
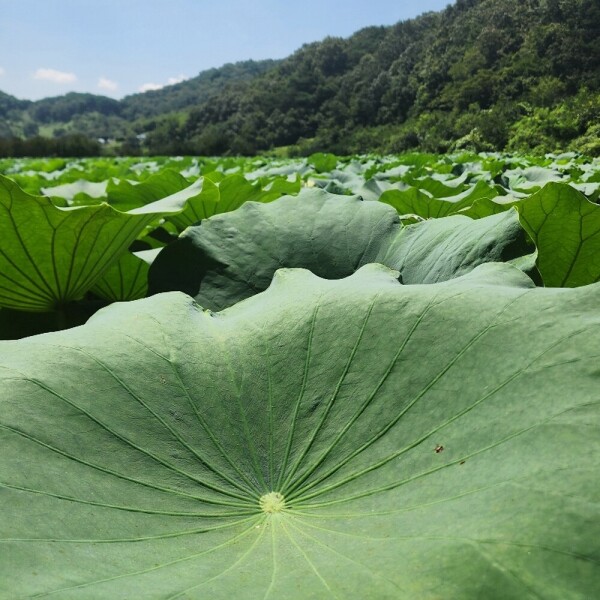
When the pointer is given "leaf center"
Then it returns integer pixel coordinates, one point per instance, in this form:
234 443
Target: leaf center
272 502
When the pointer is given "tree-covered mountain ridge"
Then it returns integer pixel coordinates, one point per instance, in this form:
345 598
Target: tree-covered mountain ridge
517 75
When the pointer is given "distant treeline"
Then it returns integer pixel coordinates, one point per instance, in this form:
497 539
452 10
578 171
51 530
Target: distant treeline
518 75
76 146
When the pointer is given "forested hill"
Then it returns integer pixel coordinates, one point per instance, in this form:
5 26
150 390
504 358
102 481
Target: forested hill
483 74
97 116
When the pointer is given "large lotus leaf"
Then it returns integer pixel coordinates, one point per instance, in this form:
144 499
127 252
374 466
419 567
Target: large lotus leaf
327 439
231 257
50 255
565 227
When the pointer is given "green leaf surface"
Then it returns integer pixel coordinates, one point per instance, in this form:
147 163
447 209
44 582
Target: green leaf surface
127 279
485 207
414 201
126 196
204 205
50 255
233 256
435 187
215 198
531 178
441 249
234 190
323 162
284 186
343 439
196 200
565 227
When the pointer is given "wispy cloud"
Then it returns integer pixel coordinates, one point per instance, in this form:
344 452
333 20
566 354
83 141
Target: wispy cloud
107 84
2 71
147 87
55 76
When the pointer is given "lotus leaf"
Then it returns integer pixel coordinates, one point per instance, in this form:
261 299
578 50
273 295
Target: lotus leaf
353 439
50 255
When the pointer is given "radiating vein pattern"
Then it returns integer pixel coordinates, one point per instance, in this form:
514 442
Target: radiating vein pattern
325 439
50 255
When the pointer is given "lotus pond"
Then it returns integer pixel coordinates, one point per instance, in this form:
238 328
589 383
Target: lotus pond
360 377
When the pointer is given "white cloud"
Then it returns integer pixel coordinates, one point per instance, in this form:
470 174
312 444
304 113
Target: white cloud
147 87
107 84
178 79
55 76
158 86
2 71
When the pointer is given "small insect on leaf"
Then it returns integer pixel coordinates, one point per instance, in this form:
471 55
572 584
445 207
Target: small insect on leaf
439 449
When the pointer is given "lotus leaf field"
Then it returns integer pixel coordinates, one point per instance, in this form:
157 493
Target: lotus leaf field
349 378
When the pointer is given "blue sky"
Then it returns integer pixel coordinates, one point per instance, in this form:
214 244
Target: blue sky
119 47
